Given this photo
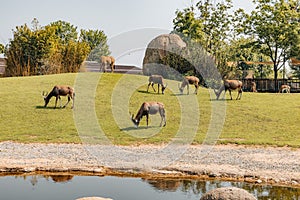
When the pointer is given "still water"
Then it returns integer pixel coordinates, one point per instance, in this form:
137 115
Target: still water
58 187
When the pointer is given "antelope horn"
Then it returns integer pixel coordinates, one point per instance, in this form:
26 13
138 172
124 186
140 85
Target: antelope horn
166 85
178 85
131 115
44 93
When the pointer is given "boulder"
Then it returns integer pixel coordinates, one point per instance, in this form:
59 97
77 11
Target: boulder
158 49
228 193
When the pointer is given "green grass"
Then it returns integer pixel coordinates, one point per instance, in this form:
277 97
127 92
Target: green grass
257 119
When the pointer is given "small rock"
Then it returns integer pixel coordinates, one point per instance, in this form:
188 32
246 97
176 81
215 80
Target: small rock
228 193
213 175
294 182
258 181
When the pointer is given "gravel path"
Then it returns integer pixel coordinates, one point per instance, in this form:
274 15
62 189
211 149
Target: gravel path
257 164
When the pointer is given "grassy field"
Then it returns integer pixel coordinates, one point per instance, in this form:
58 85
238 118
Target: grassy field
258 119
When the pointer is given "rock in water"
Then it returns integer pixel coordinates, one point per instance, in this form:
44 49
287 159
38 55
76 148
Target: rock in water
228 193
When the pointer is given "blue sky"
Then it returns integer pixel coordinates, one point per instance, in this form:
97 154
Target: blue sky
121 20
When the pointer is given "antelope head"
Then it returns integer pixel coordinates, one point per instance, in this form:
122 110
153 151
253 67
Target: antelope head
45 94
134 121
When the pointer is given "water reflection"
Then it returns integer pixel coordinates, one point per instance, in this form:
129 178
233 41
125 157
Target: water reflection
128 188
264 192
56 178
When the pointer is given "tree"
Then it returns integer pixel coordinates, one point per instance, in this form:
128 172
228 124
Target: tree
208 25
245 55
1 48
188 25
275 27
65 31
54 48
26 51
97 42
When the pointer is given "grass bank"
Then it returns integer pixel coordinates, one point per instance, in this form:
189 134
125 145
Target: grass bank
258 119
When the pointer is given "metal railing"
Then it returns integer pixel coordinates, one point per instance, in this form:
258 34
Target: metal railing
271 85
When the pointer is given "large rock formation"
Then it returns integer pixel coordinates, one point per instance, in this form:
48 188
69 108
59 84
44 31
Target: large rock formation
228 193
157 51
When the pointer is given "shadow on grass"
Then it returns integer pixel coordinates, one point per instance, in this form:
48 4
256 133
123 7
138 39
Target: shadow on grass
150 93
219 99
225 99
178 94
48 107
131 128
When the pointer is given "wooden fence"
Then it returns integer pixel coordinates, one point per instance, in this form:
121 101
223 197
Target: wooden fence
2 66
269 85
91 66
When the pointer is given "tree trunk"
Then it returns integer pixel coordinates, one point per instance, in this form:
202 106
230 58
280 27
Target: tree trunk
275 77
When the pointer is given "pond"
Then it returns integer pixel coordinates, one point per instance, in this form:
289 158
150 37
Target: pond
68 187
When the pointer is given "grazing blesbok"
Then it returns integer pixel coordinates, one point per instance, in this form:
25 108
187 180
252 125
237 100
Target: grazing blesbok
230 85
106 61
284 88
189 80
149 108
253 87
159 80
57 91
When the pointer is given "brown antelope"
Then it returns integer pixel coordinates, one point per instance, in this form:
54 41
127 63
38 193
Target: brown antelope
107 61
230 85
189 80
159 80
57 91
253 87
284 88
151 108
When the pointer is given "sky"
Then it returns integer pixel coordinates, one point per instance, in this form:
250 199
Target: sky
129 24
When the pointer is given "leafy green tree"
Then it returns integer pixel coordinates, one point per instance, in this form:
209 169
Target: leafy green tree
296 68
65 31
54 48
208 25
275 26
188 25
243 51
26 51
1 48
97 42
69 53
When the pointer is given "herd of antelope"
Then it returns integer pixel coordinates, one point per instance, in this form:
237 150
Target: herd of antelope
151 108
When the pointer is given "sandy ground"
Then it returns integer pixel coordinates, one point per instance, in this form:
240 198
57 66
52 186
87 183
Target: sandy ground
243 163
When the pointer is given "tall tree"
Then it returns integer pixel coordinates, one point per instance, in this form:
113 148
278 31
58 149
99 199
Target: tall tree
275 26
209 25
54 48
65 31
97 42
187 24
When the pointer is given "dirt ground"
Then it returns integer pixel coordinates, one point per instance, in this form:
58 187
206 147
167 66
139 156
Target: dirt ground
260 165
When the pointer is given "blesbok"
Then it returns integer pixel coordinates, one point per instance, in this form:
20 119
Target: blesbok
151 108
189 80
253 87
230 85
107 61
57 91
284 88
159 80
